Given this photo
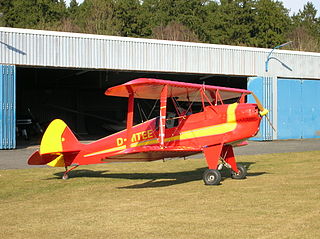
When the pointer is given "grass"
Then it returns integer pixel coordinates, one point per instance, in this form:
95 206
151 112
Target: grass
279 199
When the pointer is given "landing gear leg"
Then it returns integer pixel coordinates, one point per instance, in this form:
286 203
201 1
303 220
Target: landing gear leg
212 176
238 171
65 175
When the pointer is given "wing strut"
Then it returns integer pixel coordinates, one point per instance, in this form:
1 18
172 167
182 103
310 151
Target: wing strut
163 112
130 115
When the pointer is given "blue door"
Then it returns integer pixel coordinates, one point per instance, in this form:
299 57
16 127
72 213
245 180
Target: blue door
298 109
310 109
7 107
289 109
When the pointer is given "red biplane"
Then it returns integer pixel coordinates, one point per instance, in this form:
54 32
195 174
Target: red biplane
189 119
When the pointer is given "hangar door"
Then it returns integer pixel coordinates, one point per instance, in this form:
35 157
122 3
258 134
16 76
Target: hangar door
298 109
7 107
264 87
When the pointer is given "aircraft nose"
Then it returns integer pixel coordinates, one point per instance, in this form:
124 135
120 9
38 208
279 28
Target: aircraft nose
248 112
255 111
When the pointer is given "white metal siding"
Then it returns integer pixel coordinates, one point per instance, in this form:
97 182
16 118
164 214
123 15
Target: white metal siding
61 49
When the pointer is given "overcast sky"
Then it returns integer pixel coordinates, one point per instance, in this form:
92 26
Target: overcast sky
293 5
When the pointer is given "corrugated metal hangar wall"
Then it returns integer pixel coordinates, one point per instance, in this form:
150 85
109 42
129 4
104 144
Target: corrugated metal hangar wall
64 75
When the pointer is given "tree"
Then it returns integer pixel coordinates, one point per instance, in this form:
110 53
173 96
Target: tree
192 14
231 22
5 6
67 23
307 18
132 22
178 19
38 14
270 23
73 9
302 40
211 9
175 31
306 29
98 17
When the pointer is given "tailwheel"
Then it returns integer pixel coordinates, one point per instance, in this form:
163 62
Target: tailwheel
211 177
242 174
65 175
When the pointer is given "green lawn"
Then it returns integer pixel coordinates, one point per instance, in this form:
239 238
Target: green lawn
279 199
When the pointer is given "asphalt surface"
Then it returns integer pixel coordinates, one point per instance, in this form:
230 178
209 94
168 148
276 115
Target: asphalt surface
17 158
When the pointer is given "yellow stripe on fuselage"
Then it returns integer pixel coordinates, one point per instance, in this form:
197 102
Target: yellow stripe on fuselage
210 130
231 113
106 151
229 126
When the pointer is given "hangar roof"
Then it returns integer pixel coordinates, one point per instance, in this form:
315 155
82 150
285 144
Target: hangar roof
74 50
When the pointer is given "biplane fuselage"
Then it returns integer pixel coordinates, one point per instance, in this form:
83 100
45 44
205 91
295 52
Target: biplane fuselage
214 129
224 123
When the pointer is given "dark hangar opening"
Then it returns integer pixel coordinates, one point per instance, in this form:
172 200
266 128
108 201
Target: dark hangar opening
77 97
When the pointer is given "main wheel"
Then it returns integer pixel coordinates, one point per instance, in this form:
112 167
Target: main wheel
211 177
241 174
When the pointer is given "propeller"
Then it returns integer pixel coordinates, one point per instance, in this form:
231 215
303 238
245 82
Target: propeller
263 111
270 123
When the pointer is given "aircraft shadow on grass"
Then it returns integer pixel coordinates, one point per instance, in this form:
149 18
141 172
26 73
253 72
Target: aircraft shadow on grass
154 179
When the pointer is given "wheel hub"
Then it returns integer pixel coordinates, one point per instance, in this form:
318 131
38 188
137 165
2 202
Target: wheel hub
211 178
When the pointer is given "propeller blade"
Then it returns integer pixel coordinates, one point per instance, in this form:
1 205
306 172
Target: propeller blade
270 123
263 111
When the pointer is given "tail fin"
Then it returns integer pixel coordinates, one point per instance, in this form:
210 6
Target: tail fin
58 146
58 138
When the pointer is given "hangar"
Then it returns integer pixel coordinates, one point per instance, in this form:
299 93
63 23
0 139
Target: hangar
46 75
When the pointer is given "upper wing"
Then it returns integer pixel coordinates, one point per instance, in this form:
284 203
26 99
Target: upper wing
146 88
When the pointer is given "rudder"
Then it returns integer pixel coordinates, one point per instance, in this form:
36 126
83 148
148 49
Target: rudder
58 147
58 138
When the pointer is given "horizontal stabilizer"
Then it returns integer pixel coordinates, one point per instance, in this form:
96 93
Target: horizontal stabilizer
37 159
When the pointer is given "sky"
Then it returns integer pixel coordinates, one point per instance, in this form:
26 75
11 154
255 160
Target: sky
293 5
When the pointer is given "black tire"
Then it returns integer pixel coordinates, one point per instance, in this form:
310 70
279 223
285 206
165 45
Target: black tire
242 174
211 177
